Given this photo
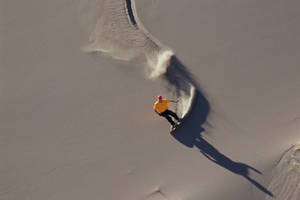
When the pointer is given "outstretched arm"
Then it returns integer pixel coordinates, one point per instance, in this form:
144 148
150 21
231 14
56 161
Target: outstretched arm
170 100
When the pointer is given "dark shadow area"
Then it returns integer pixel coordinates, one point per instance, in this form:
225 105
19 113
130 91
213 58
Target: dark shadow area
130 12
180 80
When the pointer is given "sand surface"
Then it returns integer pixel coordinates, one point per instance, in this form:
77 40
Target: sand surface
81 126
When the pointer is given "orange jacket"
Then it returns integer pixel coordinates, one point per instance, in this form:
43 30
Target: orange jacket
162 106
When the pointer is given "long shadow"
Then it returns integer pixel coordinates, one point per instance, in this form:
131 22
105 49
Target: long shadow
190 133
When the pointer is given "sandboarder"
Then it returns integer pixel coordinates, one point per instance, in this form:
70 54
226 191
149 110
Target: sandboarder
162 109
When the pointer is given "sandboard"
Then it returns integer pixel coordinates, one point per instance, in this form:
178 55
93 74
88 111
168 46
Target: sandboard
173 129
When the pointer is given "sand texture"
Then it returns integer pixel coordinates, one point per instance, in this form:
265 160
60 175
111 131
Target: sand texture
78 80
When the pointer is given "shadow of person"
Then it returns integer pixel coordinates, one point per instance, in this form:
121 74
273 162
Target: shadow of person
189 134
211 153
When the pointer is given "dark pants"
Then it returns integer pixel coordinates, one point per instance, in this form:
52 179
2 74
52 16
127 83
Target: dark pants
167 115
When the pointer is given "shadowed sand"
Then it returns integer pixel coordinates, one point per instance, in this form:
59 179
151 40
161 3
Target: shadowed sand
189 132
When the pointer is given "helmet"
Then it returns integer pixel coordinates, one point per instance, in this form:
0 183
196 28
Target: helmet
159 97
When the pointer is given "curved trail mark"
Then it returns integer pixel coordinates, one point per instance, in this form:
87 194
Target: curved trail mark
120 34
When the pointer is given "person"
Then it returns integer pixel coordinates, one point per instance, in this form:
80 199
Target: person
162 109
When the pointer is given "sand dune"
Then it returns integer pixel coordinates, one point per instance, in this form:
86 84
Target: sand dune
78 125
